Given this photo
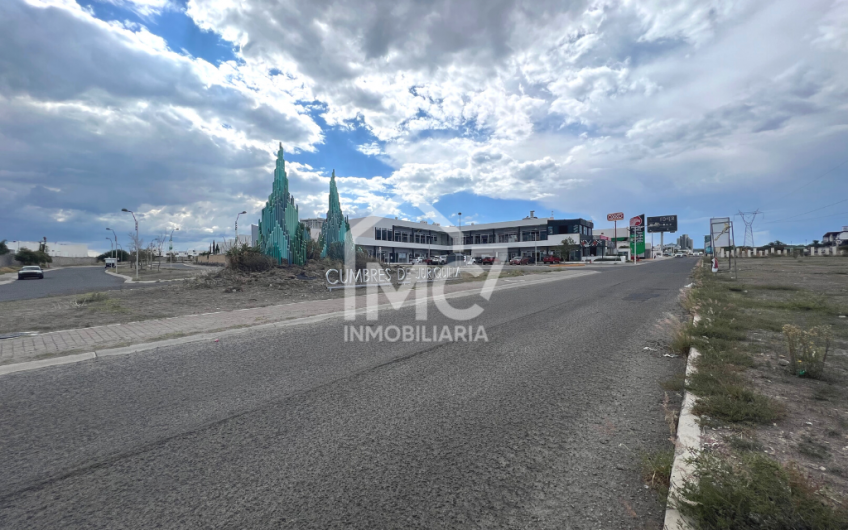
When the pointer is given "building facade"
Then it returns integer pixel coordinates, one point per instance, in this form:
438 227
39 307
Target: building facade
399 241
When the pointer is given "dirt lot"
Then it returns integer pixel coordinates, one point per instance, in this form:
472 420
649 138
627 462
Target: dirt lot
216 290
803 420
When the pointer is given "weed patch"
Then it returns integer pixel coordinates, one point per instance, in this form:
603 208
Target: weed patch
656 470
752 493
90 298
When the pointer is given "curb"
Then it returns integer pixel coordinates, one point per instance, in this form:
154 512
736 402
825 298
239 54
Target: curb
688 445
198 337
129 279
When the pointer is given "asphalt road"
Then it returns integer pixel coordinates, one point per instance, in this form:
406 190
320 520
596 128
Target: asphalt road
72 280
540 427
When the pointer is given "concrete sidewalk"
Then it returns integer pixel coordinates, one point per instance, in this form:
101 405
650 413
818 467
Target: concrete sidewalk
73 341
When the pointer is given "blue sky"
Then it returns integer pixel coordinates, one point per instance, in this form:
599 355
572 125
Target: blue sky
491 108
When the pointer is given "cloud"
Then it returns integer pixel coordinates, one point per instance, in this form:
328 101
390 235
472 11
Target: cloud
577 105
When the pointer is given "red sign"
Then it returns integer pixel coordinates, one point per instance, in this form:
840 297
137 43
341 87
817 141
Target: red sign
605 238
615 216
636 221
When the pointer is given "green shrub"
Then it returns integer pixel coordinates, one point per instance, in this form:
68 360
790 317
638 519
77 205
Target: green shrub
32 257
248 259
754 493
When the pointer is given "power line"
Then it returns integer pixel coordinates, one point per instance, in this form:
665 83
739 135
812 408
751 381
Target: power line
809 218
811 211
807 183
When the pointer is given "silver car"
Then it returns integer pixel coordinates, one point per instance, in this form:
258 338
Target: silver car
31 271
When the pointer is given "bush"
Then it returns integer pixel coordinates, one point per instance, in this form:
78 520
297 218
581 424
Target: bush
807 349
32 257
336 251
753 493
4 249
248 259
313 249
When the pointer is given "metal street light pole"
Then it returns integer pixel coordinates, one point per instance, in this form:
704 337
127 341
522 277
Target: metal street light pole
116 247
109 239
237 227
137 250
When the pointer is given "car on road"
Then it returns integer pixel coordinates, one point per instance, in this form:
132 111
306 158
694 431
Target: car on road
680 255
551 259
31 271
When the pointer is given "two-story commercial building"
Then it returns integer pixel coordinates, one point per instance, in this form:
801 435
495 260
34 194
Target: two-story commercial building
399 241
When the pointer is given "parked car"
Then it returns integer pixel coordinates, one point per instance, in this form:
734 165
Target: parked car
489 260
520 261
31 271
551 259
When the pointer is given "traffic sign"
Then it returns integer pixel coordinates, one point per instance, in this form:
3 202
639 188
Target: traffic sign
619 216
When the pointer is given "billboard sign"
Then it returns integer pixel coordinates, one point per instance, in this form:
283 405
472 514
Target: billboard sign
637 235
662 223
708 247
619 216
721 232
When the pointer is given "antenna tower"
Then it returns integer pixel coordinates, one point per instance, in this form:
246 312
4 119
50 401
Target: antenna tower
749 225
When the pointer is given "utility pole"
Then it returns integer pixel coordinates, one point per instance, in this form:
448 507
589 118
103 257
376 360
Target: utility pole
137 250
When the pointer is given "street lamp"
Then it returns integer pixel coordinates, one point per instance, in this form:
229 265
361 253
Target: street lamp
109 239
171 245
237 227
116 247
137 250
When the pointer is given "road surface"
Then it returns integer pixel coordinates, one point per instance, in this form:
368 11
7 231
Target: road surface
71 280
540 427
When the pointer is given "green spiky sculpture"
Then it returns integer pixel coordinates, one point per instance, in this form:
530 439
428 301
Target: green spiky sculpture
281 234
336 227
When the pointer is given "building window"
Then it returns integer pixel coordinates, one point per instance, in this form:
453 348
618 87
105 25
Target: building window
378 234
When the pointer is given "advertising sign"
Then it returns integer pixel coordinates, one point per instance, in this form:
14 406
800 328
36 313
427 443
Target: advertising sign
708 247
721 231
637 235
662 223
619 216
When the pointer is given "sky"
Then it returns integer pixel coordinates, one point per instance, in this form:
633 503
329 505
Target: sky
427 108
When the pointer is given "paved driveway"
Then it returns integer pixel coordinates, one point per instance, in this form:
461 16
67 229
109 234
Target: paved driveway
73 280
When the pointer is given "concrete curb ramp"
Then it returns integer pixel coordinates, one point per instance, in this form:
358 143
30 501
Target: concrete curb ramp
688 446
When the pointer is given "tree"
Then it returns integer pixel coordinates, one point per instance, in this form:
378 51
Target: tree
32 257
567 247
3 248
136 244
